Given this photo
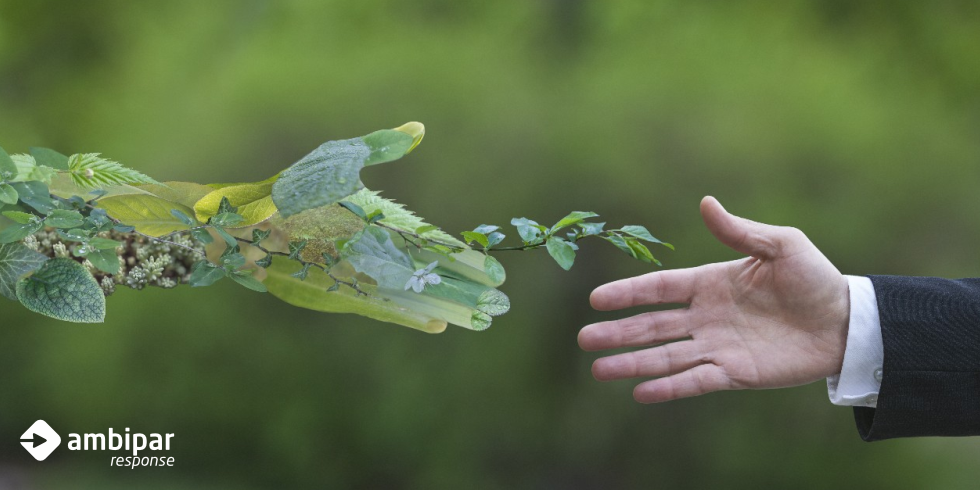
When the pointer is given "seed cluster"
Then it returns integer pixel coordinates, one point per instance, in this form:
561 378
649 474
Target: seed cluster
142 260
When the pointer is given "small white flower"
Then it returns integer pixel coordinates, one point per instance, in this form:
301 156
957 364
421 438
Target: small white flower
422 278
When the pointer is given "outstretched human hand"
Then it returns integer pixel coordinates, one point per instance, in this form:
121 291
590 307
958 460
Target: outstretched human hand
774 319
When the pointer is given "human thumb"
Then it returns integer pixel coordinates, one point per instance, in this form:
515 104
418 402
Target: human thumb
748 237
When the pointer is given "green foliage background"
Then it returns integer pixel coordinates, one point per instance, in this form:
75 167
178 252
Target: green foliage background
856 122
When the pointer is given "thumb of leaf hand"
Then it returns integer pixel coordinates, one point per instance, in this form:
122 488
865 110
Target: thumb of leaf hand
742 235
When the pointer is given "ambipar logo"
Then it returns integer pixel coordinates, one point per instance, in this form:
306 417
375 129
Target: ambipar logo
41 440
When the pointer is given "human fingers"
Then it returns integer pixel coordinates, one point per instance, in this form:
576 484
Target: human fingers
673 286
657 361
701 379
644 329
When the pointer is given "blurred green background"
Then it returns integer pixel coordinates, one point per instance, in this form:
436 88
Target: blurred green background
857 122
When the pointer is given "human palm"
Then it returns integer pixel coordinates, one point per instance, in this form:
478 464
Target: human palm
776 318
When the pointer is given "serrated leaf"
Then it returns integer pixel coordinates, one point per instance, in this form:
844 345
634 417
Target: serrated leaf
253 200
562 252
399 218
8 195
63 289
16 261
149 214
332 171
28 169
89 170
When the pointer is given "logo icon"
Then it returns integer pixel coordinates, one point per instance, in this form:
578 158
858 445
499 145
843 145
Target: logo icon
40 440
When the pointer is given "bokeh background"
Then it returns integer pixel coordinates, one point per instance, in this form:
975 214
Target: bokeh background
857 122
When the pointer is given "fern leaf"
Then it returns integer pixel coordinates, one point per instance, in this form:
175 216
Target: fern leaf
89 170
396 216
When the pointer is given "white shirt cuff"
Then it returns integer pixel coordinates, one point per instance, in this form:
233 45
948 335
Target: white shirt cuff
860 379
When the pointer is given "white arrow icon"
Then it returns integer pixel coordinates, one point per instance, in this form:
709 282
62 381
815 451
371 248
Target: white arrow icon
40 440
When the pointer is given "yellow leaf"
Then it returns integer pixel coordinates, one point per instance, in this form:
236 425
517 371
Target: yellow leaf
149 214
253 200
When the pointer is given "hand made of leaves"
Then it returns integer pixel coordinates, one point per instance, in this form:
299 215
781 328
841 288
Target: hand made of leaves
311 235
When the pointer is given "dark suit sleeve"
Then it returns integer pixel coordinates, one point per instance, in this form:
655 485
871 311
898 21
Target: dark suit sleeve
930 382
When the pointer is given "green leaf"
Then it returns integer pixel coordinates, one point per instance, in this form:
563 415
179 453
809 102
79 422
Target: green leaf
63 289
528 229
35 194
589 229
562 252
8 194
320 293
16 261
264 261
149 214
621 244
184 193
473 236
230 240
573 218
494 270
19 217
639 232
14 233
104 243
495 238
296 248
486 229
49 158
302 273
332 171
259 235
8 170
89 170
252 200
399 218
180 215
28 170
245 279
641 251
354 208
104 259
377 256
204 273
64 218
202 235
493 302
227 220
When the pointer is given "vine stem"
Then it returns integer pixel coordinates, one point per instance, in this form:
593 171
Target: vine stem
350 284
114 221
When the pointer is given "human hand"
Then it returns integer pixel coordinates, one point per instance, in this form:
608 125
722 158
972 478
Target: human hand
774 319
